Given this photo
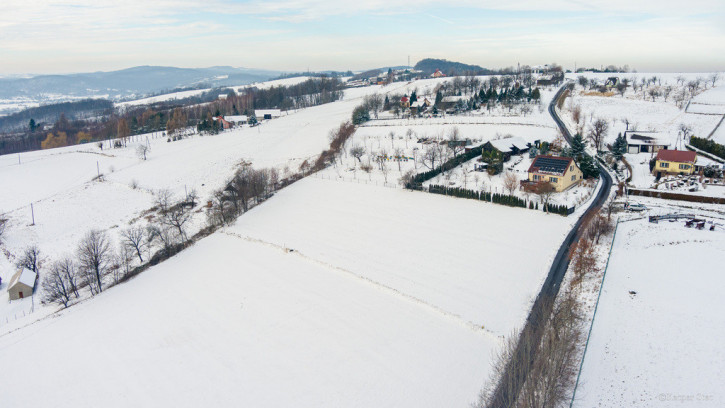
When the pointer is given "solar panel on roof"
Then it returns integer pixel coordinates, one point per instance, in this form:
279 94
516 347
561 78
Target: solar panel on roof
552 165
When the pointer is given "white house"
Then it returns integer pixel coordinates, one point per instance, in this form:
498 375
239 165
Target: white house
22 284
644 142
236 119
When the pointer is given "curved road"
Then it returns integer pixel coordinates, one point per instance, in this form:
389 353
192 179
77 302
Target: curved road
507 391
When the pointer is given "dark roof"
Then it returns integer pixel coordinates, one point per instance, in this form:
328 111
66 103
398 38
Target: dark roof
550 164
681 156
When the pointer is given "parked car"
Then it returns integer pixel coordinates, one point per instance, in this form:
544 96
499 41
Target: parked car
636 207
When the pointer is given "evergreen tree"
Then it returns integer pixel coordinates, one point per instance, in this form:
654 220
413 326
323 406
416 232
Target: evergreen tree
252 119
536 94
413 98
577 146
439 98
588 167
360 115
32 125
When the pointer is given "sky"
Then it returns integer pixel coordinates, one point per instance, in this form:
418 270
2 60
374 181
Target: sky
63 36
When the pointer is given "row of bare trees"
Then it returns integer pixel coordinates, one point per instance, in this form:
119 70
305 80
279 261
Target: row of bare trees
537 366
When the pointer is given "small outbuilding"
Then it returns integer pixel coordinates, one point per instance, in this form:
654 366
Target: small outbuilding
22 284
644 142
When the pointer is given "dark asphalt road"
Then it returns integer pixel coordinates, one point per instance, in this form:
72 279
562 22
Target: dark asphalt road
542 306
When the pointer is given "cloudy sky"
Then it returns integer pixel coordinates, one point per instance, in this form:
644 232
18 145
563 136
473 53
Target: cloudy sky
60 36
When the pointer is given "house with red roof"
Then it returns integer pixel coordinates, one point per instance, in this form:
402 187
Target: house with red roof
405 102
437 74
675 162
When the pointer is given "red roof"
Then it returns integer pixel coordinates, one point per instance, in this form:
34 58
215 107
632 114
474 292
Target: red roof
404 99
556 165
680 156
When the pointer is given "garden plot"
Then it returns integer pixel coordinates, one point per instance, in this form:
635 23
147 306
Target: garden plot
656 340
458 257
465 176
249 325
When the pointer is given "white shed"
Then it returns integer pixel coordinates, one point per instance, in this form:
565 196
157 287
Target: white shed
22 284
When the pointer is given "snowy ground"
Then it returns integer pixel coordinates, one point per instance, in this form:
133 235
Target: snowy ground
249 325
388 298
67 203
656 337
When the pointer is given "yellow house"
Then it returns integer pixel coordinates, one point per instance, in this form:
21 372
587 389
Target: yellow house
675 162
561 172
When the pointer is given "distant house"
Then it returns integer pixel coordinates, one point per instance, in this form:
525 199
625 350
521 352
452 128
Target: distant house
267 113
225 124
22 284
236 119
437 74
405 102
550 79
507 147
644 142
450 102
420 106
675 162
561 172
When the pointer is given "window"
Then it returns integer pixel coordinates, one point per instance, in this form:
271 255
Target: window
684 166
573 177
554 179
664 165
536 177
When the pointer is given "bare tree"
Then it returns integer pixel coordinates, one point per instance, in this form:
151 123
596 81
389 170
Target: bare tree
544 190
714 77
357 152
430 156
686 131
177 217
653 92
95 256
455 142
399 157
141 151
598 131
163 200
510 182
135 238
3 224
666 91
56 285
30 259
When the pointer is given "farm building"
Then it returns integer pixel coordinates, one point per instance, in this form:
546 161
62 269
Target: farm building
236 119
225 124
450 102
437 74
561 172
644 142
22 284
507 147
267 113
675 162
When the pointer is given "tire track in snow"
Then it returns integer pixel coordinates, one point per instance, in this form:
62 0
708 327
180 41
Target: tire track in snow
384 288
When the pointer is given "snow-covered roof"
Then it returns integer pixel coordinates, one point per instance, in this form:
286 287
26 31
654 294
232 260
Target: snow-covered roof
26 277
454 98
504 145
236 118
635 137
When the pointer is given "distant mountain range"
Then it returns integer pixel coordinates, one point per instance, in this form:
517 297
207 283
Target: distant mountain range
131 82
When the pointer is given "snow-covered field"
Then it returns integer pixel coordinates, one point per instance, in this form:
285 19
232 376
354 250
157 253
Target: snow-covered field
328 294
656 340
231 322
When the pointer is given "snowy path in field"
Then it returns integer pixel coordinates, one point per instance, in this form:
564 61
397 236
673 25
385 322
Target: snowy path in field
455 254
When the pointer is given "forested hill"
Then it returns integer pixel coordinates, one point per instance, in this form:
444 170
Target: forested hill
429 65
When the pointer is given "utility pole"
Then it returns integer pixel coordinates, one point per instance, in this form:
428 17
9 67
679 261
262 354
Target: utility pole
98 168
32 213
